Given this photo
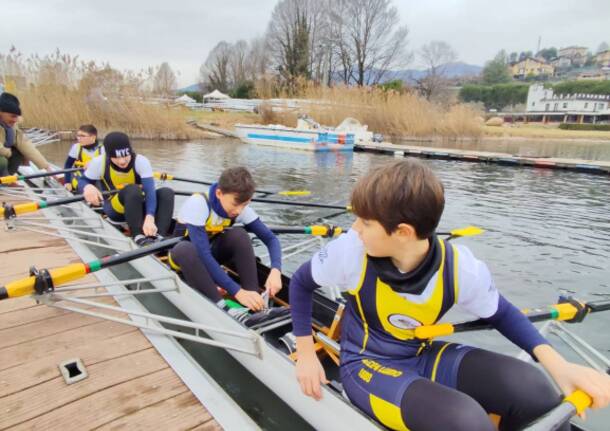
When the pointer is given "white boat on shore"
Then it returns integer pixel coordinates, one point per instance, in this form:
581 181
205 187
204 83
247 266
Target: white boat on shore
308 135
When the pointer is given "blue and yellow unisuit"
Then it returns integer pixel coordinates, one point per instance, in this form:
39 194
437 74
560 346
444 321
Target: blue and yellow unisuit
115 179
380 357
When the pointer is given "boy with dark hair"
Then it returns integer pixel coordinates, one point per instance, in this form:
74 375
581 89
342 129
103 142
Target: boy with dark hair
213 241
398 275
147 211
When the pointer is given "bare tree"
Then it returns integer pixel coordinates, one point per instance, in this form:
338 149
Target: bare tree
368 38
237 63
214 73
257 60
165 80
288 39
435 56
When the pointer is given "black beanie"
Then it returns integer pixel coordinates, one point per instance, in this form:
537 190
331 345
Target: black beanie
10 104
117 144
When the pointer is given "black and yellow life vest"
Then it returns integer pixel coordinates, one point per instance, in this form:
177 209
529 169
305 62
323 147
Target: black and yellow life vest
381 321
113 178
82 160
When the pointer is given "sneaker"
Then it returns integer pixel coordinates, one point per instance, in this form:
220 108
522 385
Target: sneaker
266 315
143 241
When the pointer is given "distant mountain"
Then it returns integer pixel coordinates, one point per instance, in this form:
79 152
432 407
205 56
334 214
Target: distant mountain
452 70
190 88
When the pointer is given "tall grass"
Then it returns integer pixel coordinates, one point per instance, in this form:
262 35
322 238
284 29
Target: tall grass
61 92
388 112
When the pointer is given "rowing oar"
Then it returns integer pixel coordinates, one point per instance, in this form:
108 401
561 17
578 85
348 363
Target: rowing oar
167 177
568 310
575 403
324 230
14 178
9 211
45 281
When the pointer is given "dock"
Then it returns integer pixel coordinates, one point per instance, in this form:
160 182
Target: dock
588 166
128 384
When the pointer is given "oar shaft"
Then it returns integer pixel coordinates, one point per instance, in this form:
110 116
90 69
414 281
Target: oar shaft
164 176
315 230
14 178
28 207
301 204
562 311
58 276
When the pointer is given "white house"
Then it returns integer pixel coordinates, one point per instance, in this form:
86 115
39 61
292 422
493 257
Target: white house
540 99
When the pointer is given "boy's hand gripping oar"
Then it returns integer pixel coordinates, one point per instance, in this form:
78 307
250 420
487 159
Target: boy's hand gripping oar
14 178
575 403
163 176
44 281
568 310
8 210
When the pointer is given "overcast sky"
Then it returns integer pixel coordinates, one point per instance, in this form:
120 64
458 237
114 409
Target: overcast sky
133 34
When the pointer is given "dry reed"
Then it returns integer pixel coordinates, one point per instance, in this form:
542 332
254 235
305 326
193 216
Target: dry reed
60 92
388 112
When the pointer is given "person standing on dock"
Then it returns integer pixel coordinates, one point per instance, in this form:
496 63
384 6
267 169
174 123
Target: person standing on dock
129 178
86 149
213 241
15 147
398 275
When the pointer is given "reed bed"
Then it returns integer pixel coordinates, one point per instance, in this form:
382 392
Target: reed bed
61 92
388 112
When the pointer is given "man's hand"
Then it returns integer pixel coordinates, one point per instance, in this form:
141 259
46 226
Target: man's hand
274 282
149 227
92 195
252 300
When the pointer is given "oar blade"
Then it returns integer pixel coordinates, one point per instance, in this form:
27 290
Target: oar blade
467 231
294 193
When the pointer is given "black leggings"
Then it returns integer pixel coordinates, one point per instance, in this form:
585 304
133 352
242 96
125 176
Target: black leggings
487 383
132 199
232 247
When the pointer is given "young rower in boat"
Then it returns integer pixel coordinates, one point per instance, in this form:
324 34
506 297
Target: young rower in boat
86 149
398 275
148 212
208 220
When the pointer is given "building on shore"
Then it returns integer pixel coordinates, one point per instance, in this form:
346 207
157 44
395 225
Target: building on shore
576 54
531 67
567 108
602 59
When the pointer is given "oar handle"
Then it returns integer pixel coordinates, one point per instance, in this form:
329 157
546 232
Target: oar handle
43 280
575 403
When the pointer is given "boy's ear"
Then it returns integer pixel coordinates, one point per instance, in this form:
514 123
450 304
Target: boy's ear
406 231
218 193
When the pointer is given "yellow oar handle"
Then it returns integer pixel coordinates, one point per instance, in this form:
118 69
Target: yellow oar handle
432 331
25 286
163 176
294 193
321 230
580 400
9 179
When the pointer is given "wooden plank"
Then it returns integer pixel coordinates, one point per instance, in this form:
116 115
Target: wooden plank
17 318
180 412
38 371
15 355
123 404
51 395
48 327
208 426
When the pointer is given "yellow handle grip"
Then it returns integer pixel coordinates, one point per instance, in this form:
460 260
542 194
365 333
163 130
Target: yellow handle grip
580 400
431 331
9 179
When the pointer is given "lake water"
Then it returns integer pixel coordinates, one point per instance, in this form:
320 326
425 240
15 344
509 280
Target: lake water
547 231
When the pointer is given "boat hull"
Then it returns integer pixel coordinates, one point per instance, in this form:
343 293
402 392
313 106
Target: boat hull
286 137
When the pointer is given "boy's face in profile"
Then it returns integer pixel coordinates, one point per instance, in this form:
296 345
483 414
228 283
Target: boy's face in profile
374 237
230 203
